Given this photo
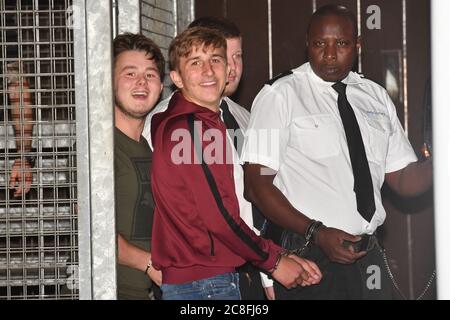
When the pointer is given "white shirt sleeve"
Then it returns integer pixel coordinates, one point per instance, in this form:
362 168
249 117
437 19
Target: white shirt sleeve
400 152
266 282
267 134
146 131
266 137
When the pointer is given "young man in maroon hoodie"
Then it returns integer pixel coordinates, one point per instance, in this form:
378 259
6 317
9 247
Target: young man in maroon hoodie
198 236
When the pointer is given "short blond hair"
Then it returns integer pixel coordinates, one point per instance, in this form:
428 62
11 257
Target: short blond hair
191 38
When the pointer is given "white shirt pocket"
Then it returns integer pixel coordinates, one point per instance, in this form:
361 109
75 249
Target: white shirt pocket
379 130
315 136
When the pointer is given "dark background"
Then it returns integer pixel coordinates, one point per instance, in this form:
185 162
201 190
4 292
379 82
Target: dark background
408 233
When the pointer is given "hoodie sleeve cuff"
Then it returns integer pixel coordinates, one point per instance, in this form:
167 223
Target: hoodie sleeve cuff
273 258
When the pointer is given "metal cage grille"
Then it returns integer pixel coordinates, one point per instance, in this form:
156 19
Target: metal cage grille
38 230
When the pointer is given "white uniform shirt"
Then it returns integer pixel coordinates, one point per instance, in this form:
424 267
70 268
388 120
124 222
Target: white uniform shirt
295 128
242 117
241 114
160 107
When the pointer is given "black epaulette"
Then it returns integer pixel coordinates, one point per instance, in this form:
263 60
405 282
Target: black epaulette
279 76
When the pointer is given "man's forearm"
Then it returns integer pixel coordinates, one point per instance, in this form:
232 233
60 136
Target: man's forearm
22 116
259 190
23 130
131 256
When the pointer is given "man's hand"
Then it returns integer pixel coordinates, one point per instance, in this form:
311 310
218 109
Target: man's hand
311 268
136 258
330 240
291 273
312 273
21 177
155 276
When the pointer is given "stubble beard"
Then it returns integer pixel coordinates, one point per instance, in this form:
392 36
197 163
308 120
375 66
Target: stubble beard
134 115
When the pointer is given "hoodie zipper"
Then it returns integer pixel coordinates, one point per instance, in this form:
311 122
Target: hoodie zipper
211 242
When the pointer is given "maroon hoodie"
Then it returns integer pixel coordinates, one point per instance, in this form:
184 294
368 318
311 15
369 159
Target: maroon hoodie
192 239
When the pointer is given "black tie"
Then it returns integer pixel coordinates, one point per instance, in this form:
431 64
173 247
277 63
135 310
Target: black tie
363 186
231 124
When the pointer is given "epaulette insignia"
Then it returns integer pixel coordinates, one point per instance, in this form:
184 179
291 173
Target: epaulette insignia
279 76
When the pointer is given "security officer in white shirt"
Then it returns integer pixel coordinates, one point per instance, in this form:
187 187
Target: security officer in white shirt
300 165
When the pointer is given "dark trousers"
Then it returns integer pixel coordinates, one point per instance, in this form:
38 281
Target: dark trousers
250 283
366 279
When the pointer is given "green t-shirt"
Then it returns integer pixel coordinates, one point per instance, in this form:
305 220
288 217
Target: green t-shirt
134 208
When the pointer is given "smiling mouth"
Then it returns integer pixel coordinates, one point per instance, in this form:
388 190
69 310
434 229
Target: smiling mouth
139 94
208 83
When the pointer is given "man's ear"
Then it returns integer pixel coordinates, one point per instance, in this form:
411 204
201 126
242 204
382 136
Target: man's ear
176 79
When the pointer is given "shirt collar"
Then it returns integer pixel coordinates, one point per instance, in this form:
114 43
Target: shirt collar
351 79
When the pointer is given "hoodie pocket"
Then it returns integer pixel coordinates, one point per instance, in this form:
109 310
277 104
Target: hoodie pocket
211 241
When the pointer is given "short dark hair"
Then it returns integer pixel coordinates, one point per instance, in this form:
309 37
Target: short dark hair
190 38
138 42
335 10
227 27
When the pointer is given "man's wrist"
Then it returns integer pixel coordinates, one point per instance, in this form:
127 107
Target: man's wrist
149 266
31 160
282 254
312 230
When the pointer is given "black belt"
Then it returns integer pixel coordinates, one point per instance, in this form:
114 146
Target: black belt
367 243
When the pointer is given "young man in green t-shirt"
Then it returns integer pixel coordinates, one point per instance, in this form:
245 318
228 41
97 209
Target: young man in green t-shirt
138 76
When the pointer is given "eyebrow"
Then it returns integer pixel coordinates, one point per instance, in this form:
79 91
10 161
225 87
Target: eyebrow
215 55
130 67
192 58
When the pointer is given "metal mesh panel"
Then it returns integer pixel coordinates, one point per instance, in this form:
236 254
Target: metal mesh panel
38 230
